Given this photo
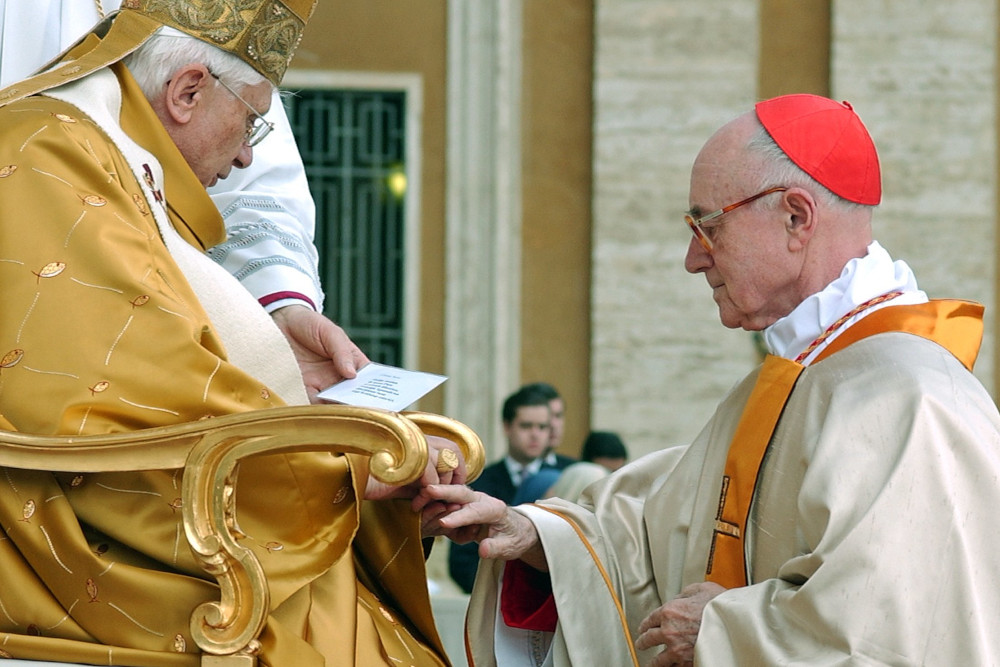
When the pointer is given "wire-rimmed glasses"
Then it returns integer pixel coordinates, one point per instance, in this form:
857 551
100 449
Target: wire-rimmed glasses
259 127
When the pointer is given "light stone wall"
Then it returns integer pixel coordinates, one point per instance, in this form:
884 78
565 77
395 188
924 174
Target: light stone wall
922 76
667 74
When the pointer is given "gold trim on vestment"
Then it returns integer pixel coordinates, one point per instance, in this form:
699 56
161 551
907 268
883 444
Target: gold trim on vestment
605 576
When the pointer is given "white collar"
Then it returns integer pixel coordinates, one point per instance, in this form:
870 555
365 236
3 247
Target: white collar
862 279
516 468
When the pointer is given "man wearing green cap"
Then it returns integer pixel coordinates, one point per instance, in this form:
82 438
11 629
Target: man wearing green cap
114 319
839 506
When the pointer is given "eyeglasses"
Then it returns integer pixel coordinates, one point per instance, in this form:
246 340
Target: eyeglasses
696 223
259 127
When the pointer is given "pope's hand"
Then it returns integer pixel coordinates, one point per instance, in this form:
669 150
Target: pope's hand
464 515
675 625
445 465
325 353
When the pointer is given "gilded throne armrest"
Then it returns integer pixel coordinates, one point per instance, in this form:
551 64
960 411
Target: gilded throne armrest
209 451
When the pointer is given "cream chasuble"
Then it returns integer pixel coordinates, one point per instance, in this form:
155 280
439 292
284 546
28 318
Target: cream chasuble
101 330
955 325
869 539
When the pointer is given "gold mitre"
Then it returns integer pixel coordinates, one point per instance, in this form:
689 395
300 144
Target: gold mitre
264 33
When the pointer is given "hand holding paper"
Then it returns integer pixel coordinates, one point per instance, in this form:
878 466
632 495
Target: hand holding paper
381 386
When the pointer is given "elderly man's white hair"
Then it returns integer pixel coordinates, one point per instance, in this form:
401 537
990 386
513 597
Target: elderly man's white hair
153 63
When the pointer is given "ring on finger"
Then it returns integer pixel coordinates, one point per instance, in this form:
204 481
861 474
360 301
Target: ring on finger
447 461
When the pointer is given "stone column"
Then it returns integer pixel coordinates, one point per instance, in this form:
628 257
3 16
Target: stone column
483 212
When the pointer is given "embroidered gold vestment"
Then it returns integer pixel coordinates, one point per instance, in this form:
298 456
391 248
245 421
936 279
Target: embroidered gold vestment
100 332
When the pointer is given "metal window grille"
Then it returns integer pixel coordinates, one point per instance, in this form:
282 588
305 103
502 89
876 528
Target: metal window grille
353 146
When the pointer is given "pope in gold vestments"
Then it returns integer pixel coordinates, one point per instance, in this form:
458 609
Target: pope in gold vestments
102 331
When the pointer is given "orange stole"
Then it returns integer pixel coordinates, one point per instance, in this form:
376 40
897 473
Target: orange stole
726 561
955 325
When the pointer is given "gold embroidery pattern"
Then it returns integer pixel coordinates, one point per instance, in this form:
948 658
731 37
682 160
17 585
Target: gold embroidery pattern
94 200
50 270
722 527
140 204
272 43
341 495
99 387
263 34
28 511
226 17
92 591
12 358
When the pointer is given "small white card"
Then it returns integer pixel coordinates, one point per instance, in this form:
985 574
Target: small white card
381 386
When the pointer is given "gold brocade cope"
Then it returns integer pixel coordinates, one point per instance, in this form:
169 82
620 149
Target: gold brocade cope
954 324
726 559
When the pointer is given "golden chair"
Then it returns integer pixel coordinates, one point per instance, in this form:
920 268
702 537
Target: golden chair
209 451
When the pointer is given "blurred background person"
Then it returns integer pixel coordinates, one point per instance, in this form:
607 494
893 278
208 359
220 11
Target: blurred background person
574 479
557 424
526 416
604 448
537 486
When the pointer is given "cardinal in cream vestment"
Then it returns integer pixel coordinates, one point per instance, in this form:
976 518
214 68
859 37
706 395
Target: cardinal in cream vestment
847 453
838 508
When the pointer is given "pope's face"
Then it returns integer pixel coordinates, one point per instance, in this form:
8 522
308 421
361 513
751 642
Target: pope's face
218 141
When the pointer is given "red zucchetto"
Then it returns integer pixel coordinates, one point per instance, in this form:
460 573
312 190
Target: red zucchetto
828 141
